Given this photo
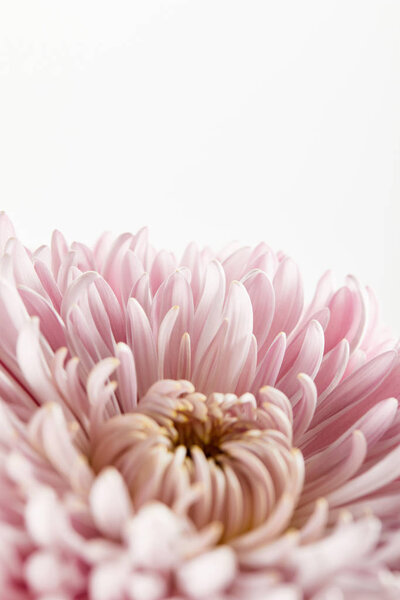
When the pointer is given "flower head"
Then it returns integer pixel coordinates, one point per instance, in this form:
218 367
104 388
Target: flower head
191 429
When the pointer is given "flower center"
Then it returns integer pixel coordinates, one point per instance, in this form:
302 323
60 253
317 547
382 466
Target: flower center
223 457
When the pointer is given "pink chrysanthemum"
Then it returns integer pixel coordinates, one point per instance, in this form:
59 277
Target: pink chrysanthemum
190 430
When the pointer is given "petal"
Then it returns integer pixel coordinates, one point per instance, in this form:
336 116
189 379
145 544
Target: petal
356 386
126 375
59 250
33 364
314 563
140 339
288 298
49 283
208 314
383 472
271 554
239 316
271 363
207 574
192 259
48 523
305 408
308 360
236 264
322 296
154 537
249 369
332 369
75 291
110 503
342 311
262 296
356 451
113 258
315 526
131 272
163 265
49 431
108 580
101 392
23 268
184 358
51 323
164 343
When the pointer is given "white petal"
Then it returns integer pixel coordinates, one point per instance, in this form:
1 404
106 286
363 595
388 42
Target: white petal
110 502
207 574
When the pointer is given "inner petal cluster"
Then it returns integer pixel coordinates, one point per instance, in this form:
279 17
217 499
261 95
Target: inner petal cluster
222 457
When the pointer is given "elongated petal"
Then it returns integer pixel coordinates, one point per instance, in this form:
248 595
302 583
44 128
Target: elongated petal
262 296
288 296
308 360
141 341
126 374
385 471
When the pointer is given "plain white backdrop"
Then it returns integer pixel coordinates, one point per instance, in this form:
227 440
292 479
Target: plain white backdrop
209 120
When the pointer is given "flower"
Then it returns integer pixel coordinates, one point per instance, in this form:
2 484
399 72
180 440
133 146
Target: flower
192 429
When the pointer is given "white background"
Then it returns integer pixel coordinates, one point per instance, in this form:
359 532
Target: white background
213 120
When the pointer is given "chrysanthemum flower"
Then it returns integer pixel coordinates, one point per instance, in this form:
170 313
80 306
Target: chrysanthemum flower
190 429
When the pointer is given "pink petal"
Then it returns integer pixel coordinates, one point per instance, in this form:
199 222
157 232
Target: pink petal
308 360
355 387
126 374
262 296
305 408
288 297
270 365
51 324
332 369
141 341
385 471
208 314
